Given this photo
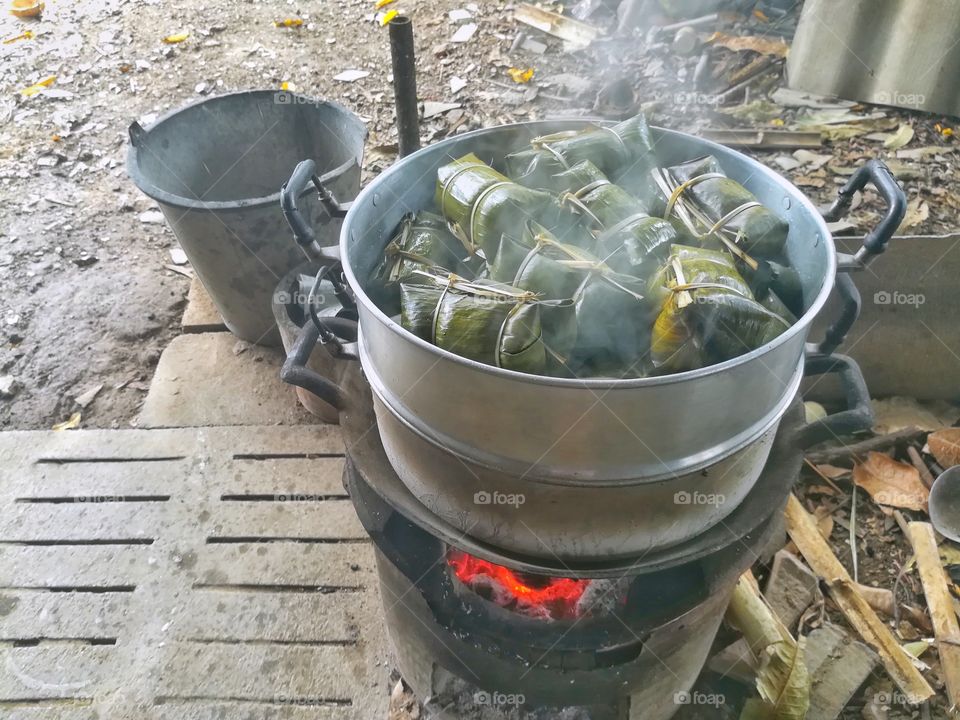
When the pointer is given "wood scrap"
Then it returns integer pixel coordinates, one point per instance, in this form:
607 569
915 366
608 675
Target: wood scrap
925 475
803 531
945 626
860 449
763 139
578 34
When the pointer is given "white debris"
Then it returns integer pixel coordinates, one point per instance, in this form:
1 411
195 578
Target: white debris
460 15
457 84
86 397
350 76
464 33
178 256
432 109
8 386
151 217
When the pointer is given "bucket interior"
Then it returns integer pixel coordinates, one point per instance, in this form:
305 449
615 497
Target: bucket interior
243 147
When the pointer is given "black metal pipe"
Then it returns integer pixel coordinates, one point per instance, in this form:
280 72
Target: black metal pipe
405 84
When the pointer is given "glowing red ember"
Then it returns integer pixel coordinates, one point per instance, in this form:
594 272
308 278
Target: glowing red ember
537 596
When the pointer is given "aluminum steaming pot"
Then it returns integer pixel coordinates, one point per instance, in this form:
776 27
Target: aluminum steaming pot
454 428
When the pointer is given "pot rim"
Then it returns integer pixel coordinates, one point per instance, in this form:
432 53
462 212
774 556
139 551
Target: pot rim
367 194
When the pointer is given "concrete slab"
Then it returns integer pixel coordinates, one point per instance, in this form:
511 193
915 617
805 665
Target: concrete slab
215 379
155 574
201 315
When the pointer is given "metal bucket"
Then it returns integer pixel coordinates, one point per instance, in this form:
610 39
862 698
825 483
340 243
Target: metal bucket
215 169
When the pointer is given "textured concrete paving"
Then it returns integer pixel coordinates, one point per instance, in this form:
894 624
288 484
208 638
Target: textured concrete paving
185 574
215 379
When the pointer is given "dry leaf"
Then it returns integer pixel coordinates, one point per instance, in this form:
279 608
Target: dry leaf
832 471
70 424
891 483
897 413
520 76
900 138
945 446
917 213
39 87
763 45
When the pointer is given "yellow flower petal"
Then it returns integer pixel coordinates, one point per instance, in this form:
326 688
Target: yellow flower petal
387 17
382 3
288 86
520 76
288 22
70 424
174 39
25 35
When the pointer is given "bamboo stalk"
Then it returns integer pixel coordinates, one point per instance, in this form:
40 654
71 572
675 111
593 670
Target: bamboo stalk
946 629
815 550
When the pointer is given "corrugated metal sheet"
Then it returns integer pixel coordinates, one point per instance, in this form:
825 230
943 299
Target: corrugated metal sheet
904 53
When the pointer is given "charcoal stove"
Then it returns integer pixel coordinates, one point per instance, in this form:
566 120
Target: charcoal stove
483 632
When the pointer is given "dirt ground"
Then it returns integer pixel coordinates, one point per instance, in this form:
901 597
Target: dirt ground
86 296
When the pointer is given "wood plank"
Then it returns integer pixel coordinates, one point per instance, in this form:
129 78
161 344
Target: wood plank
815 550
326 520
945 626
291 564
28 615
281 617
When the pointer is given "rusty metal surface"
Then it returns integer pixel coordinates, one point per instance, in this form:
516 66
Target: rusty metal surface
902 53
195 573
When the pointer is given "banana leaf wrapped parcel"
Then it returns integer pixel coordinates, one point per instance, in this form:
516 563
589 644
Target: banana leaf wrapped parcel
422 241
578 331
727 203
708 313
481 320
628 239
480 204
625 149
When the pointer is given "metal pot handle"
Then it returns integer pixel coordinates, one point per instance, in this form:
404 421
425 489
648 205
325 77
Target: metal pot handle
875 243
303 175
295 370
858 417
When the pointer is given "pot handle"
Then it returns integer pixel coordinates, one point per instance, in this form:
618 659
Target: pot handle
875 243
858 417
303 175
295 370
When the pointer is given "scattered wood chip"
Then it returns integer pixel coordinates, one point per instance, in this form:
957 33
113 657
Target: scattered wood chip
890 482
945 626
464 33
349 76
918 212
577 34
816 551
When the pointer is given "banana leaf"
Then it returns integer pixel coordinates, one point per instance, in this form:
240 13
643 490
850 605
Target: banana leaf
484 321
580 175
613 335
480 204
422 241
621 150
629 240
709 313
763 233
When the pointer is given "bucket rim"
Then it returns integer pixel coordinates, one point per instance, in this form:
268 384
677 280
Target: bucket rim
179 201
